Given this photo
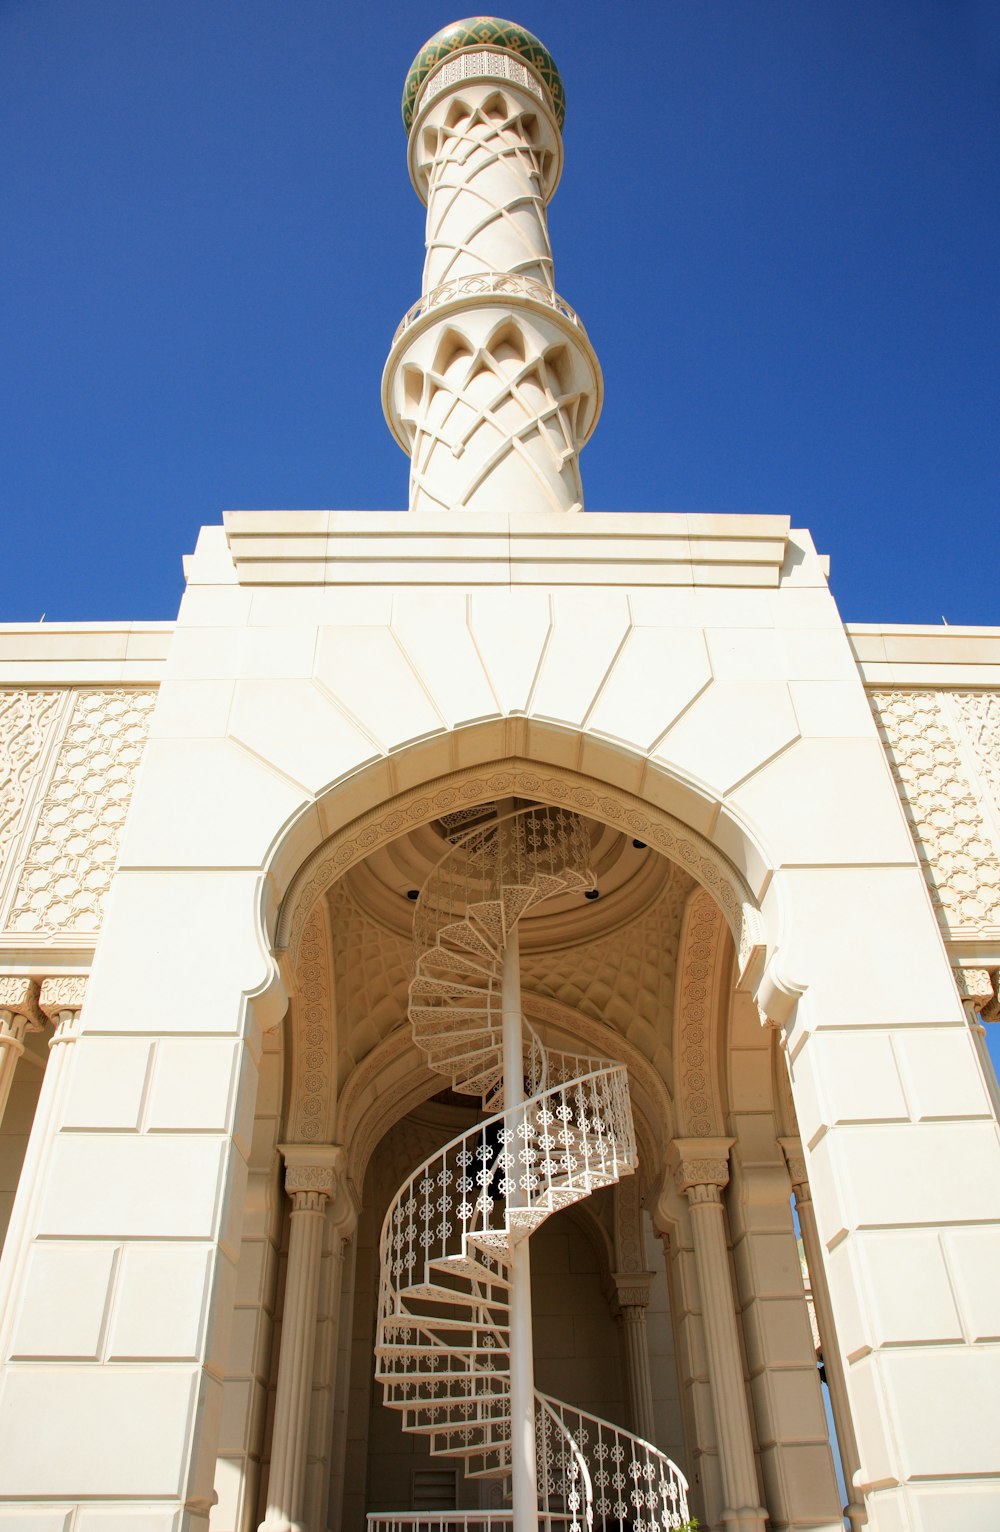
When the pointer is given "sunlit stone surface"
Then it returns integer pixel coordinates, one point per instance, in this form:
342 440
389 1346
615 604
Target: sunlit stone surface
211 835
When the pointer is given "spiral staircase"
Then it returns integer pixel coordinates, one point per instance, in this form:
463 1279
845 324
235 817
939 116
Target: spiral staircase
453 1351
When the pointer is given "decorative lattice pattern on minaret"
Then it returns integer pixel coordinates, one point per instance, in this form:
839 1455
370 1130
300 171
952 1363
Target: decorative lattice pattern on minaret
486 170
492 386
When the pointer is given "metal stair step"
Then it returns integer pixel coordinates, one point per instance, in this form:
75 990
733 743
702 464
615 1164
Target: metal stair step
466 1266
445 1375
436 1292
445 1321
455 960
491 1242
436 1393
517 899
487 915
422 1013
452 1337
452 1441
473 1050
443 1428
424 985
460 933
478 1084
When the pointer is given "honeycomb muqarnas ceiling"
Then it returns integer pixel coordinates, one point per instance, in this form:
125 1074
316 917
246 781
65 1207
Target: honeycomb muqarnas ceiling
624 978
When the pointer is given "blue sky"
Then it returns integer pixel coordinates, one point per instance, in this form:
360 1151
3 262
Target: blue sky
778 221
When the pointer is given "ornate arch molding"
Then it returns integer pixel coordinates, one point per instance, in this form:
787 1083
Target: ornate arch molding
311 1036
700 966
518 778
629 1245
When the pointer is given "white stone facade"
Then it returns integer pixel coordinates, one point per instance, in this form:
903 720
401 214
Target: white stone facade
831 791
796 831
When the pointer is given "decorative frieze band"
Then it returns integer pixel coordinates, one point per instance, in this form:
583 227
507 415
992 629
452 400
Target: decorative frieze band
488 63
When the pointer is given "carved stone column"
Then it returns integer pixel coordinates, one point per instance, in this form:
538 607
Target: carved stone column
311 1176
631 1303
701 1171
59 1001
832 1361
19 1014
342 1221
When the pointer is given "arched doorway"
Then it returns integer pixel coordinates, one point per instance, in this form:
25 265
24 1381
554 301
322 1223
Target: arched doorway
623 972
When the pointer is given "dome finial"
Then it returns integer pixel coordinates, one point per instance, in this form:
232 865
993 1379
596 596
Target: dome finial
491 32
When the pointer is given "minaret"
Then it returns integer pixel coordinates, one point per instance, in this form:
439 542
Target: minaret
491 386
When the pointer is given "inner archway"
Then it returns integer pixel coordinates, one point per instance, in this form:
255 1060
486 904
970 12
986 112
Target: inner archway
625 976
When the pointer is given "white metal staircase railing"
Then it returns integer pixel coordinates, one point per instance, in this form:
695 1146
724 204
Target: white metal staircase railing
451 1234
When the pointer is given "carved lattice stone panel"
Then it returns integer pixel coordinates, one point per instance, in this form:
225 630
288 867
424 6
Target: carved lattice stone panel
943 751
979 713
27 720
69 864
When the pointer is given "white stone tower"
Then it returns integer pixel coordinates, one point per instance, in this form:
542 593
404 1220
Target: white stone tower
491 386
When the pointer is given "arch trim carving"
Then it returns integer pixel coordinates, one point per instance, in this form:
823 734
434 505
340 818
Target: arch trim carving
518 778
696 1084
312 1036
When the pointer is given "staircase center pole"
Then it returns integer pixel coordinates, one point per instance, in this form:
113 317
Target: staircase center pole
524 1491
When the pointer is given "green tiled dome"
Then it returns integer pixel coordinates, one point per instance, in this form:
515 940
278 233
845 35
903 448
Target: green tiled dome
479 32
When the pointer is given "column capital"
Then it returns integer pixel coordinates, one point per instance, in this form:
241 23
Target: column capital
795 1159
990 1009
976 987
700 1166
631 1289
61 1001
19 998
315 1178
312 1168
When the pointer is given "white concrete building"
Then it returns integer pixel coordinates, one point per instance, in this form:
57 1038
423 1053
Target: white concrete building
759 885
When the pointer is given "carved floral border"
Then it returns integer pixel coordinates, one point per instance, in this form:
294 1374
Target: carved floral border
612 805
